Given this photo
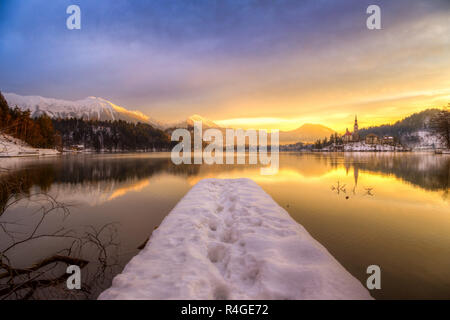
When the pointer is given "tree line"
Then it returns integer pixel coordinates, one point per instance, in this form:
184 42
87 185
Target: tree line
335 138
37 132
111 135
415 122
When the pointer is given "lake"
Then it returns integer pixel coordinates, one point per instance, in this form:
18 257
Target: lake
387 209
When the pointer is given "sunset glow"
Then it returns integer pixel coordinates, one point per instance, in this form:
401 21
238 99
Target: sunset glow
264 69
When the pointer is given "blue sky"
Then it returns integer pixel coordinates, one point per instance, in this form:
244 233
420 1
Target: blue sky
227 59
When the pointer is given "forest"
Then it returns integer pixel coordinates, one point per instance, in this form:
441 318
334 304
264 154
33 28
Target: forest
416 121
37 132
111 135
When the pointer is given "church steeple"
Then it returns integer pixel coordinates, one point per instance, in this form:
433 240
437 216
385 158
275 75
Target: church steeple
355 130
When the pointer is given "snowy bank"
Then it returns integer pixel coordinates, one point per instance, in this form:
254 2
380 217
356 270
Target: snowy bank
228 239
362 146
12 147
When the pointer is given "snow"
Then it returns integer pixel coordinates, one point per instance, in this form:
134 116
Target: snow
12 147
228 239
362 146
91 108
423 140
189 122
205 122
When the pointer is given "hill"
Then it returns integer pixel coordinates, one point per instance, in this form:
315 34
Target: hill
416 122
412 131
307 133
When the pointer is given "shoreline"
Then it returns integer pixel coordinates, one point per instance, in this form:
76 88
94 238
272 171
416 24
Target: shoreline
55 153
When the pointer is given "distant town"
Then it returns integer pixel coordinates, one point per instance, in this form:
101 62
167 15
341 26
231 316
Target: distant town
425 130
352 141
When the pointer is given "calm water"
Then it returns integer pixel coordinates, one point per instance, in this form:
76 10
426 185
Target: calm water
391 210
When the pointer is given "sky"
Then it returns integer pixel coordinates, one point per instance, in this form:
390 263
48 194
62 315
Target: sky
272 64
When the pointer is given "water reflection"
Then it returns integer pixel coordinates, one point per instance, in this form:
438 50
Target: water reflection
122 174
44 276
365 208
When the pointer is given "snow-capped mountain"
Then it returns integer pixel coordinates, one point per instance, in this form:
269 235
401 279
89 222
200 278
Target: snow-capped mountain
91 108
189 122
94 108
205 122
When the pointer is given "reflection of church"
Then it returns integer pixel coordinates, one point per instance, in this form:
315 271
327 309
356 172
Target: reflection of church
351 136
348 165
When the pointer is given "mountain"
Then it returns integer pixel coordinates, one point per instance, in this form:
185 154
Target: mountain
307 133
206 123
189 122
94 108
91 108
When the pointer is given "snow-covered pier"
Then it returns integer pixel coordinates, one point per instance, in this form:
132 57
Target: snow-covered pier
228 239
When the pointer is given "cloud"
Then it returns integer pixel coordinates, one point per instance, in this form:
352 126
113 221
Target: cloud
309 60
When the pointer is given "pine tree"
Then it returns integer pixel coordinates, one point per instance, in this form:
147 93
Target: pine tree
4 110
440 125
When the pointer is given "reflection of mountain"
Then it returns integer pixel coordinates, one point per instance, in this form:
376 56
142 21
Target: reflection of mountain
135 187
109 176
91 175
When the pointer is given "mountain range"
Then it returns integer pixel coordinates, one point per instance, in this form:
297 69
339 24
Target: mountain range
95 108
91 108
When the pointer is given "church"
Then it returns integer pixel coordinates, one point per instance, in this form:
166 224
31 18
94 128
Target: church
351 136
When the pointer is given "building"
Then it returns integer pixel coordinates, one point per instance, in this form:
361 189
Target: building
388 140
78 147
347 137
351 136
372 138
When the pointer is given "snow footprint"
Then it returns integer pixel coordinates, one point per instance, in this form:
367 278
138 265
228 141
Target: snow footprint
221 292
217 253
